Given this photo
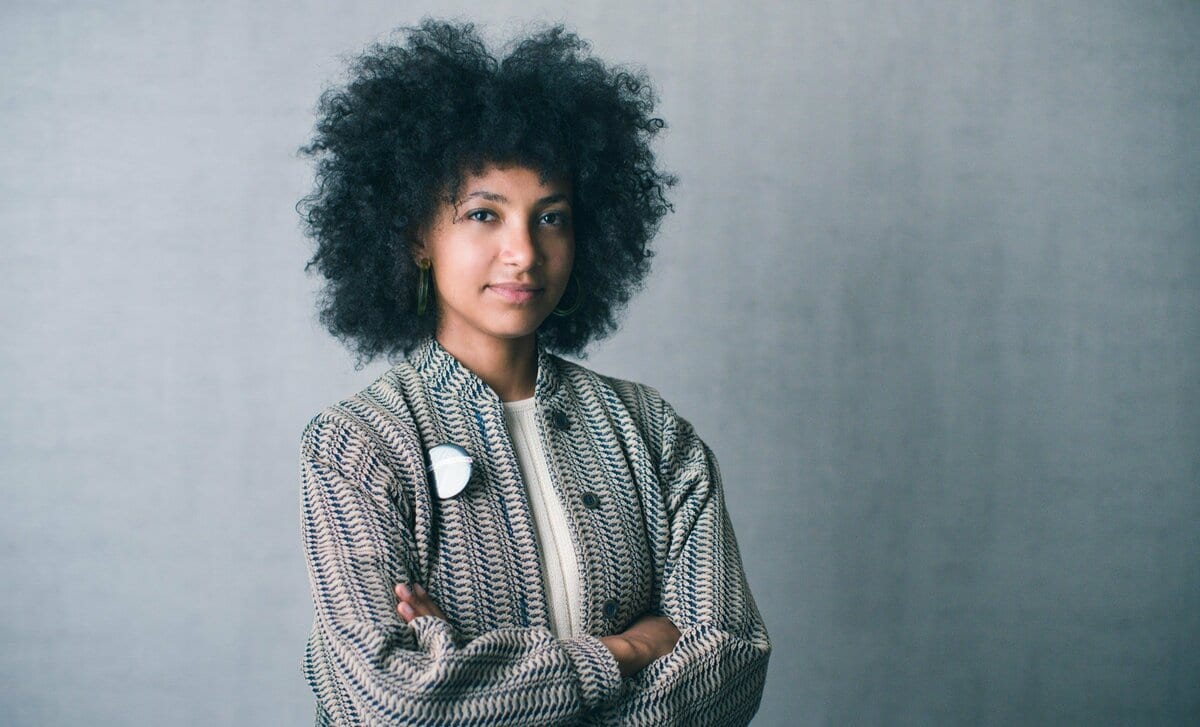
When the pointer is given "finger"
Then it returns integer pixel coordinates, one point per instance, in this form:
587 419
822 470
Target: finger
425 606
411 592
406 612
418 600
418 603
433 607
417 606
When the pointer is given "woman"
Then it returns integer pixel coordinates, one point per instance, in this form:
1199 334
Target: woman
481 216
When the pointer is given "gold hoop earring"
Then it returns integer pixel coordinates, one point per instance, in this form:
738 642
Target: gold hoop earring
564 312
423 284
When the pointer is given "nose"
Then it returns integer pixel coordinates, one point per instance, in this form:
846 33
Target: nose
520 247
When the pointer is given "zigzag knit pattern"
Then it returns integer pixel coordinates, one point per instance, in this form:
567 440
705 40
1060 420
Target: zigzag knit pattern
647 518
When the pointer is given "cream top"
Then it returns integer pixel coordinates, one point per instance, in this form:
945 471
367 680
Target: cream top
559 564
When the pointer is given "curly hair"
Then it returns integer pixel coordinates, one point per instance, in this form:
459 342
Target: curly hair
416 118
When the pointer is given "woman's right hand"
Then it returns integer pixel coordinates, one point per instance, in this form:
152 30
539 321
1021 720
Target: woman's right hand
634 649
646 640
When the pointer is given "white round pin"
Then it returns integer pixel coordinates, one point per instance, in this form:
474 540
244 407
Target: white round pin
450 466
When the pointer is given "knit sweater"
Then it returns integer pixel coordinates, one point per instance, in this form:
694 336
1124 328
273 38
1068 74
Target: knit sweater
646 511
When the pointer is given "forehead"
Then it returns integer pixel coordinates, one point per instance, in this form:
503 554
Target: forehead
514 182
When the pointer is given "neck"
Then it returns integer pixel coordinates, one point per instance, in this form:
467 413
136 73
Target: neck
508 366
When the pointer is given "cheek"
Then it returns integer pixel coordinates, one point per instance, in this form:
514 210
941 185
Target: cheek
459 270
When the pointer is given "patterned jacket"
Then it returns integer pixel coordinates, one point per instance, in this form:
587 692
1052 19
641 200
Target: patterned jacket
647 517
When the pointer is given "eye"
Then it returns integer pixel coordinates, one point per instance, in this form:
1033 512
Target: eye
556 219
481 215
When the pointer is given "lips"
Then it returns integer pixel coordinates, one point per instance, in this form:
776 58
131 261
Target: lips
516 292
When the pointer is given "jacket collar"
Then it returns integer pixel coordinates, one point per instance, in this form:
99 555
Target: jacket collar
443 373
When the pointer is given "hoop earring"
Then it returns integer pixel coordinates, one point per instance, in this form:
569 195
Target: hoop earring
564 312
423 284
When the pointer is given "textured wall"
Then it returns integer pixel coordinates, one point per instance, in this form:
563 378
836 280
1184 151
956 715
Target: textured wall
931 292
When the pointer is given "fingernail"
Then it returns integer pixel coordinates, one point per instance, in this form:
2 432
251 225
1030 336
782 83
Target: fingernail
402 590
406 610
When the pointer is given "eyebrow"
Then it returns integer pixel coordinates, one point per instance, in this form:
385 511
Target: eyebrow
494 197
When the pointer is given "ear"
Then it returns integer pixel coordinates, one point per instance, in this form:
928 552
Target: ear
418 251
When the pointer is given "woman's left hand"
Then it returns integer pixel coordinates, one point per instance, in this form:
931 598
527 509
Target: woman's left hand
415 602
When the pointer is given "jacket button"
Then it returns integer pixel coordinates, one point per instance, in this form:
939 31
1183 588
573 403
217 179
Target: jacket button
590 501
609 608
561 423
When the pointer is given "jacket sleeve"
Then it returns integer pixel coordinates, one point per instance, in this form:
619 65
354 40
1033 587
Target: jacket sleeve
716 672
365 665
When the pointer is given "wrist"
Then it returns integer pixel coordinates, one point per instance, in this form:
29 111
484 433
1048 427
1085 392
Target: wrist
642 647
631 653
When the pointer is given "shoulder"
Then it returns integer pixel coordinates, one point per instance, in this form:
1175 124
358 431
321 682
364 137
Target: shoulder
649 412
640 411
371 423
641 399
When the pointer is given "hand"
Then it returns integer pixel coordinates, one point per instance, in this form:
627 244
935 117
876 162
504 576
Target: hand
646 640
415 602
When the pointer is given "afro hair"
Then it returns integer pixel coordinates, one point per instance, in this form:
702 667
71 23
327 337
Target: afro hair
416 117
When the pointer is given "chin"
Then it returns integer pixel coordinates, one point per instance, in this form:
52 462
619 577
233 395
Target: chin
500 325
519 325
511 331
519 332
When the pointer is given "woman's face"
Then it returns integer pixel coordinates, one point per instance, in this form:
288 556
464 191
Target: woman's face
501 257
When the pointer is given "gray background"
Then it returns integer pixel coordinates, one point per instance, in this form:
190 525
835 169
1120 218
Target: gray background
931 292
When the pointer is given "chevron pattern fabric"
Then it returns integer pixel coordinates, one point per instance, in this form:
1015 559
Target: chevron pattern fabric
646 512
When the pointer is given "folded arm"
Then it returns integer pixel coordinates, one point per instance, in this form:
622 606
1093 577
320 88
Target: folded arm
366 665
634 649
716 672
